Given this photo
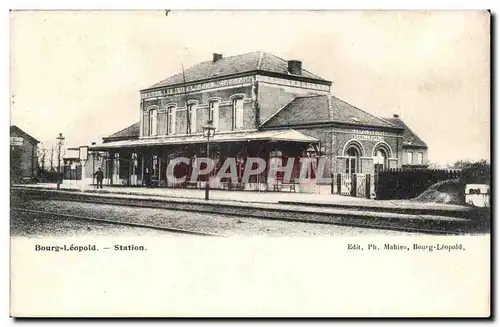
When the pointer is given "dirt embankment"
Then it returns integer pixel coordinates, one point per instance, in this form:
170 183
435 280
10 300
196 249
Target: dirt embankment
449 191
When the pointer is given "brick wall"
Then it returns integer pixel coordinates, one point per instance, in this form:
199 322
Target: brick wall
367 145
25 157
181 122
225 110
334 148
271 97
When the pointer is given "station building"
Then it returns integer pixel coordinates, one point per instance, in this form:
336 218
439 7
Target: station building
261 106
23 155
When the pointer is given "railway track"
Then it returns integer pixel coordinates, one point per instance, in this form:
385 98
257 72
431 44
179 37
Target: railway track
110 221
352 218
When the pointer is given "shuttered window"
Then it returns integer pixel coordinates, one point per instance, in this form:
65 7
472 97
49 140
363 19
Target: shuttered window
420 158
237 113
153 122
409 158
171 120
192 115
213 113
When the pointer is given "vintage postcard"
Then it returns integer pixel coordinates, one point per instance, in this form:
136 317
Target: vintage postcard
171 163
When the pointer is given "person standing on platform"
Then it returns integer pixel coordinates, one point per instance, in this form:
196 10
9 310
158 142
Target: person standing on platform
147 178
99 176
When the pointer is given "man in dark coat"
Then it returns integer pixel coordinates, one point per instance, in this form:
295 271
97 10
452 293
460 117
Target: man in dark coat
99 176
147 178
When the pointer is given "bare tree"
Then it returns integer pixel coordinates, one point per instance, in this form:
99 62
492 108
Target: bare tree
52 159
42 157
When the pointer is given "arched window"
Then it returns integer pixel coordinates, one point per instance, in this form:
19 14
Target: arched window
353 162
153 122
381 154
380 161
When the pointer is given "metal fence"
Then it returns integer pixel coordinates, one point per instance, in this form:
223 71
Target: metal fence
357 185
409 183
72 172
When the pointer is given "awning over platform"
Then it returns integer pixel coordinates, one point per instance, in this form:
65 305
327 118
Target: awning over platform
289 135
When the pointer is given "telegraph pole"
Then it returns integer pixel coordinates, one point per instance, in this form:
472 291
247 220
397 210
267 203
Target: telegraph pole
60 142
188 114
52 159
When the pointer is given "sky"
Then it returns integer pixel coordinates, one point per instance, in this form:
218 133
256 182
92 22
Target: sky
79 72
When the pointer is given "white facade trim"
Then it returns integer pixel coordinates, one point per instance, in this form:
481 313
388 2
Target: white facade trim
292 83
214 99
220 88
354 141
170 104
152 107
237 96
384 144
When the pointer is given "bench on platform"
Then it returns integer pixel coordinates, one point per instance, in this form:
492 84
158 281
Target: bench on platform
189 184
228 185
280 186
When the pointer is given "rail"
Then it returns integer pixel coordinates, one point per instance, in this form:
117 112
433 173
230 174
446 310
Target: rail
115 222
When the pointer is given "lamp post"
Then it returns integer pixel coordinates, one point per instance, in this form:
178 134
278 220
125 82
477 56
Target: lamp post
60 143
208 131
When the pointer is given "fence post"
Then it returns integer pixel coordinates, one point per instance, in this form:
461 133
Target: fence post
339 184
332 185
353 185
368 185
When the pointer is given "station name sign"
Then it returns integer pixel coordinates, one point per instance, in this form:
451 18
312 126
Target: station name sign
16 141
198 87
369 135
293 83
362 134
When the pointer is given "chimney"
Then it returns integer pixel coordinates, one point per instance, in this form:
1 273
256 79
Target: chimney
217 56
295 67
395 116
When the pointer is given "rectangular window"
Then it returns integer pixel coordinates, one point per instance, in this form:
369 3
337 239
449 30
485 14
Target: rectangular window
237 113
171 120
351 166
420 158
153 122
409 158
192 116
213 113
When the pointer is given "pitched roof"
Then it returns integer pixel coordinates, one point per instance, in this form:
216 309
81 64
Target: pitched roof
247 62
317 109
409 137
129 132
17 129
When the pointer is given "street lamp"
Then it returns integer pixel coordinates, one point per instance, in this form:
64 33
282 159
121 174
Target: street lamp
311 151
60 143
208 131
